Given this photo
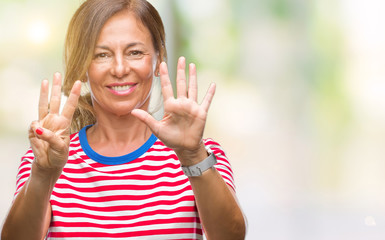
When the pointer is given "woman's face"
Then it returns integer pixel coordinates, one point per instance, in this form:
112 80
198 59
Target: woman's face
123 65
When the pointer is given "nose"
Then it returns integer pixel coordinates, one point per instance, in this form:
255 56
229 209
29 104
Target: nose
120 67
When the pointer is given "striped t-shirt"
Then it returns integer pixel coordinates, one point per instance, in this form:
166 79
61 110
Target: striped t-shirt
141 195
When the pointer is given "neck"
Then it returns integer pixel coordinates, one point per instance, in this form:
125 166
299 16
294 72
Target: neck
117 135
121 130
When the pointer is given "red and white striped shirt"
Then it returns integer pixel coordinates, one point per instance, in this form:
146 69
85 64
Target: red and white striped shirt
142 195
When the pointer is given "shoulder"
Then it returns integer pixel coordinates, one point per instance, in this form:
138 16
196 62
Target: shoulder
74 139
74 136
223 164
214 146
211 142
28 156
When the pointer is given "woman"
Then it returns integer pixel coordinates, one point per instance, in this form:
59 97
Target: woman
122 174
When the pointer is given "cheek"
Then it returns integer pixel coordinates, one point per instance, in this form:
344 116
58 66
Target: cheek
93 78
91 74
96 74
95 70
145 68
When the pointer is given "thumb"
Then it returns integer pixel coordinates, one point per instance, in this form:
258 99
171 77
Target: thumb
149 120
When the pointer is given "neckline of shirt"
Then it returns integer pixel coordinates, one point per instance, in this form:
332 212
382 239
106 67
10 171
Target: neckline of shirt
113 160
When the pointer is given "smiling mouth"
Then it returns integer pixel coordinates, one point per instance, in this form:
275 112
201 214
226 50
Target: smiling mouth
121 88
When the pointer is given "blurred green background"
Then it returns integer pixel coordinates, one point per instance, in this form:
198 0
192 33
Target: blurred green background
299 108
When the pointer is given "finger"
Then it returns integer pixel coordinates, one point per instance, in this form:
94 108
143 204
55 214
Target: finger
72 101
35 142
208 97
47 135
43 99
31 131
54 104
165 82
149 120
181 78
192 83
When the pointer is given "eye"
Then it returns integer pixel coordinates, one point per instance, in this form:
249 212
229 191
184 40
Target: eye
135 53
101 55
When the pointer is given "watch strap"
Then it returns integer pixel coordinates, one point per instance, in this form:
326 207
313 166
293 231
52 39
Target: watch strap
197 169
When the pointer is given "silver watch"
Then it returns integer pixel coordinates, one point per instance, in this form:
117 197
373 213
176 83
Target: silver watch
197 169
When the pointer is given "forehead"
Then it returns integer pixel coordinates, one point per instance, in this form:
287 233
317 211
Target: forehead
124 25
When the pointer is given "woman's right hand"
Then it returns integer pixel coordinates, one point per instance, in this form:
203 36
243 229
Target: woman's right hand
50 135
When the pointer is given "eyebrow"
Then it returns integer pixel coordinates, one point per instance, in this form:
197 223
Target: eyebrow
127 46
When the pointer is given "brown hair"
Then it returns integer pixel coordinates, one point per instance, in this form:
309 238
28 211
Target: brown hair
83 32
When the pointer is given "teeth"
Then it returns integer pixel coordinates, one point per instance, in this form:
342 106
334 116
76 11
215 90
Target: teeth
121 88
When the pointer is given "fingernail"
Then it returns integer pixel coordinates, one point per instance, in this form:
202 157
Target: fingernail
39 131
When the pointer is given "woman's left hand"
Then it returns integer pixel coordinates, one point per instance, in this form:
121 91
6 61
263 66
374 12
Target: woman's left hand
184 119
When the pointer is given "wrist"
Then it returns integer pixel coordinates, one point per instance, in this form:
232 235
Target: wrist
199 168
45 176
192 157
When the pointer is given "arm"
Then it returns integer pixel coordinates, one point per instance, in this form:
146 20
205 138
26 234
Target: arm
30 213
182 130
220 213
218 208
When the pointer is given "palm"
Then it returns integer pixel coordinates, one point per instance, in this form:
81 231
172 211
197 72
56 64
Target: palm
51 147
183 124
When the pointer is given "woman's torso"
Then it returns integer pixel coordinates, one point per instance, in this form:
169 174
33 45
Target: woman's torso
148 197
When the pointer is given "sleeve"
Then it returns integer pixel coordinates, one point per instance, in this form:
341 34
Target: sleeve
223 165
24 170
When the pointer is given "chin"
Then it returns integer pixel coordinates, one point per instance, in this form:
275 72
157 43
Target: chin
125 111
